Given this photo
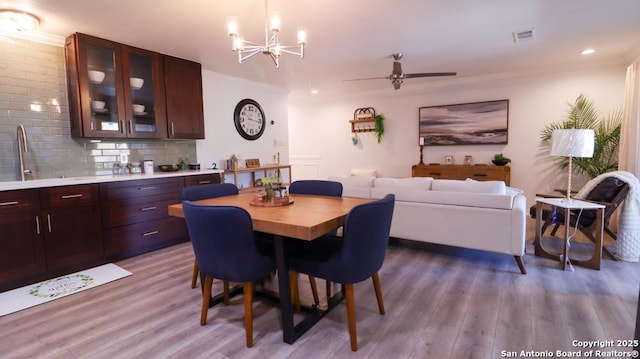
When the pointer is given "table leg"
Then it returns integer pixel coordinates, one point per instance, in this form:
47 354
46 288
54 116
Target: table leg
598 244
284 288
567 239
540 251
290 331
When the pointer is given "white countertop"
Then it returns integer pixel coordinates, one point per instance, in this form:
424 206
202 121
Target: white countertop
54 182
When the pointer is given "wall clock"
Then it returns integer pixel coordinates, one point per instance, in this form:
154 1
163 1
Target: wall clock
249 119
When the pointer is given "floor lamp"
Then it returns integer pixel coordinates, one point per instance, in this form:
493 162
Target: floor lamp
572 143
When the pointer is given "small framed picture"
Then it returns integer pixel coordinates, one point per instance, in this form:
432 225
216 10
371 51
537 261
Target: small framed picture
468 160
448 160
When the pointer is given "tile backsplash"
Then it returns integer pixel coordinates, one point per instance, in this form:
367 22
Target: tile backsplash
33 93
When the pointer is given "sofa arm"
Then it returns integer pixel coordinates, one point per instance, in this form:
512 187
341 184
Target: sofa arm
518 225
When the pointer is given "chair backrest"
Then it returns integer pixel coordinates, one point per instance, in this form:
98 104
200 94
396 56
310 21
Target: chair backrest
224 243
610 191
366 237
317 187
196 193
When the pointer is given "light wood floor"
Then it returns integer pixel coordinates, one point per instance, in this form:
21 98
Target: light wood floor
441 303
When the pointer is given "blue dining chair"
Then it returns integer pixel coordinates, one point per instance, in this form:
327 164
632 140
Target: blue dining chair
353 258
225 247
196 193
320 188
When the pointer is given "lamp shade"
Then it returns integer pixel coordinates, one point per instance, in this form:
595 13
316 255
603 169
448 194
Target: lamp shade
573 143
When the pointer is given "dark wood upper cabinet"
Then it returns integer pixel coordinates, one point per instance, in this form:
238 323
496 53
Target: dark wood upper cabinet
116 90
183 82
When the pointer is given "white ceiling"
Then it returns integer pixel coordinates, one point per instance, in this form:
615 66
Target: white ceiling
350 39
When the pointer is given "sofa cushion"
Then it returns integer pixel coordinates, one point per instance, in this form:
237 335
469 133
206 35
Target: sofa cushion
364 172
423 183
354 186
469 186
458 198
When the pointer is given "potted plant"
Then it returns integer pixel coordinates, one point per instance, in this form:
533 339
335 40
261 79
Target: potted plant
583 114
500 160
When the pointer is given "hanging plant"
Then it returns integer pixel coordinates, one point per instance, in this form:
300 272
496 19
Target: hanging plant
379 127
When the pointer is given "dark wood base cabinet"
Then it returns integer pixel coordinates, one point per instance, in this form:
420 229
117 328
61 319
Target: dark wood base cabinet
21 246
48 232
135 218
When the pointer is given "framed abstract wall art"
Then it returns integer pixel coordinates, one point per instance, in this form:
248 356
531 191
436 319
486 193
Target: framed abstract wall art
476 123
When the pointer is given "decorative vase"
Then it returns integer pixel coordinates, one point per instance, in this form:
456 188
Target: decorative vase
269 191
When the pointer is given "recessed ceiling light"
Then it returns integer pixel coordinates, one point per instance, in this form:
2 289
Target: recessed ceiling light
314 92
588 51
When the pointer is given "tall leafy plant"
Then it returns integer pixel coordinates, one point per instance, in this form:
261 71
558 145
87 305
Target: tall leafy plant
583 114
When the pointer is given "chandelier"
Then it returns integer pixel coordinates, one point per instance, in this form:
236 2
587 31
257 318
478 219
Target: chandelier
272 45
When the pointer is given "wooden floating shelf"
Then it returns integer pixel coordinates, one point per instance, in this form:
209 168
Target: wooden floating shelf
354 122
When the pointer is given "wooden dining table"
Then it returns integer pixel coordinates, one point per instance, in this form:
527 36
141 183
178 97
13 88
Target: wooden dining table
307 218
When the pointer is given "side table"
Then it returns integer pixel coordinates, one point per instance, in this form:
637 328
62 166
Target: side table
568 205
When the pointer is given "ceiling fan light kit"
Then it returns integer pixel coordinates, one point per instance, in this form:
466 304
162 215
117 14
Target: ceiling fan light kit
397 76
272 46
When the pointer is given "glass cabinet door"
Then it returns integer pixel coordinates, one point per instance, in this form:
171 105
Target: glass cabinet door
103 107
144 93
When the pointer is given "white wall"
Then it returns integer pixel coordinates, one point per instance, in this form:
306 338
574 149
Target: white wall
221 94
320 129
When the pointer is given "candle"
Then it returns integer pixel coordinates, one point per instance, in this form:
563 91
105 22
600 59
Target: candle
421 141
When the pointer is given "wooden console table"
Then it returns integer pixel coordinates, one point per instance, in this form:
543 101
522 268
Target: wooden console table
265 170
476 172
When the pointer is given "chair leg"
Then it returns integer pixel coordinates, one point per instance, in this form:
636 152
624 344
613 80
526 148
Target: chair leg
194 276
351 316
225 292
247 292
293 285
206 296
377 288
314 290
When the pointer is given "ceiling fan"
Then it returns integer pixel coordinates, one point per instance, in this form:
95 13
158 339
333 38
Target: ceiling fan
397 76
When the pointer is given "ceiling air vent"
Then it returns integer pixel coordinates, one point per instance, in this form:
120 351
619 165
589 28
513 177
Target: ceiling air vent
526 35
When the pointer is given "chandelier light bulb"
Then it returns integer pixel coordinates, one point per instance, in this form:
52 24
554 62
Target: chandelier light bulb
275 23
232 26
302 36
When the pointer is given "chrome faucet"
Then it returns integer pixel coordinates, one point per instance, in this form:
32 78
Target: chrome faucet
22 147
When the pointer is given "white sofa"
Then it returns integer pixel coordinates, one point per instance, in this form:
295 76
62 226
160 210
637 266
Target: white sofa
484 215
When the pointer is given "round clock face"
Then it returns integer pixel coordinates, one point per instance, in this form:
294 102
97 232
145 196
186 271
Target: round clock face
249 119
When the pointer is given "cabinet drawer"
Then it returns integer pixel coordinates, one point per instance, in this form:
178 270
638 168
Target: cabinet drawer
136 210
201 179
69 195
19 201
141 188
144 237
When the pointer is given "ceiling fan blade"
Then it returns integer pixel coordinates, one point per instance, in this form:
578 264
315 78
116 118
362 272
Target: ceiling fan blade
430 74
369 78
